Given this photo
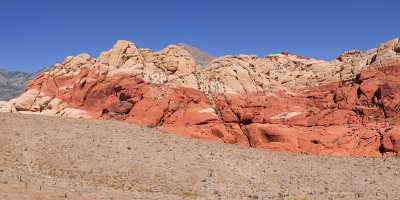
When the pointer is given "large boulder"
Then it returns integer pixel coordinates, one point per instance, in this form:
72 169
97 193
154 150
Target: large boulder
6 106
26 100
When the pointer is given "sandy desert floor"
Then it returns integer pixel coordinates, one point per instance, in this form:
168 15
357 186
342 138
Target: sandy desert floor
47 158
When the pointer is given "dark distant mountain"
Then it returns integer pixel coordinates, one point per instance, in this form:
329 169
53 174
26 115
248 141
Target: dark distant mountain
201 57
12 83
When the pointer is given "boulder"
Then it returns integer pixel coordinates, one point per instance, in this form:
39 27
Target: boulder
6 106
26 100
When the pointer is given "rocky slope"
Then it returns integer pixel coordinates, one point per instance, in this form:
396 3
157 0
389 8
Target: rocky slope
285 102
48 158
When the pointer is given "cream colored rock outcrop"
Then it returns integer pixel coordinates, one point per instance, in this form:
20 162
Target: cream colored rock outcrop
175 67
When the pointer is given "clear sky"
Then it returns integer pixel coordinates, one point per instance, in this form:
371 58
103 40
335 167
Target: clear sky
39 33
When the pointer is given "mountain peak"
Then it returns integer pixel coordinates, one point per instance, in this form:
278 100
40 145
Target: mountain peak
201 57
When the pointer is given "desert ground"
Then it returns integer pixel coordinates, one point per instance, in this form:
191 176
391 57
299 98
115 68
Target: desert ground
49 158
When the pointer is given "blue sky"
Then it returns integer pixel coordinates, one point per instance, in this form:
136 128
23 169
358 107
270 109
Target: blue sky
39 33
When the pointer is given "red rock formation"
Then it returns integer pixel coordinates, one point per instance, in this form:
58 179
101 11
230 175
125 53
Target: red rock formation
283 102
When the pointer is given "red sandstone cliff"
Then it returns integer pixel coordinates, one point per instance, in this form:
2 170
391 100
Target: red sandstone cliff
284 102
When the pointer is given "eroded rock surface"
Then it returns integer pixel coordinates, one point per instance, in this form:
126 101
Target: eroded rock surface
284 102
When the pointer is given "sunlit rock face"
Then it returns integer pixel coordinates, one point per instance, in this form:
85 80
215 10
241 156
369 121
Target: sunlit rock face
284 102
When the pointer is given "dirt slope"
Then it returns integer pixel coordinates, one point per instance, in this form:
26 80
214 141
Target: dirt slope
56 158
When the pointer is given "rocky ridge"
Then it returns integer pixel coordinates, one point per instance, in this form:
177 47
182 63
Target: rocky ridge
285 102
